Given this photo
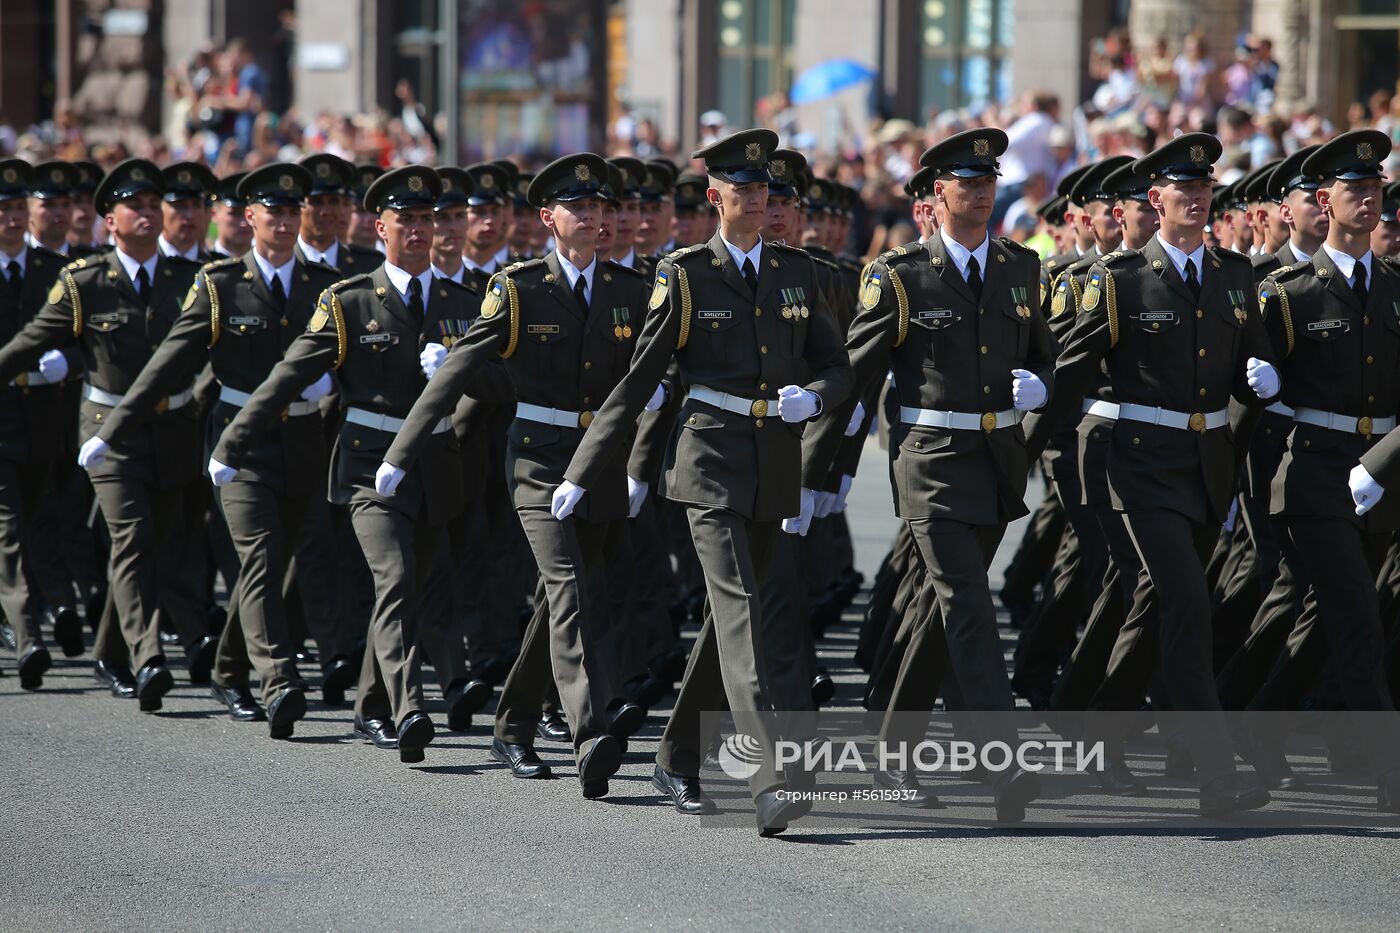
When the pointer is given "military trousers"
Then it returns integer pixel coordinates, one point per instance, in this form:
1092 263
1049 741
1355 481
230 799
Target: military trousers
21 488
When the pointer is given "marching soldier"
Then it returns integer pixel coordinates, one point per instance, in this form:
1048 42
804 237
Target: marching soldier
325 215
32 429
654 236
1173 323
370 329
360 229
564 326
51 205
240 316
487 247
117 309
235 236
185 211
954 320
745 322
80 235
1335 326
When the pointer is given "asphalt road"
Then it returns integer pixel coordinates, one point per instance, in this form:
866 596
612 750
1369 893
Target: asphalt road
188 821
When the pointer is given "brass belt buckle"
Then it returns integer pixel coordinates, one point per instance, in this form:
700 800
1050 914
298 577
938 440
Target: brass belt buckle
759 409
989 421
585 419
1363 425
1197 423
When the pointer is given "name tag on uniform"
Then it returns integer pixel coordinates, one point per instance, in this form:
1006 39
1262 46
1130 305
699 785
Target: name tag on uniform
716 315
1162 317
376 338
936 314
109 317
542 328
242 321
1334 324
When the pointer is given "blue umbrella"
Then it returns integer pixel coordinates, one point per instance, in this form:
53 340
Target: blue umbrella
828 78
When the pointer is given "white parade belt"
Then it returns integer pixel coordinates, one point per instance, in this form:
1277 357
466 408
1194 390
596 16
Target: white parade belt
961 420
1345 423
112 400
757 408
1179 420
555 416
239 399
1101 409
387 423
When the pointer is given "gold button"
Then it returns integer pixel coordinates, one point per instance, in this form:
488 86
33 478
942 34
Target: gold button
1137 440
543 337
1307 443
758 422
587 364
691 420
984 351
763 387
918 445
525 439
1201 352
1156 326
355 442
1370 360
715 325
758 312
1200 313
284 416
1371 399
243 328
986 390
1203 393
762 349
586 400
228 420
98 416
1325 335
285 322
1366 319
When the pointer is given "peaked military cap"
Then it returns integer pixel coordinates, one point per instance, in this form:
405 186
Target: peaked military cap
1186 158
1288 175
188 180
660 180
1124 183
612 187
1071 179
969 154
278 183
1349 157
53 180
14 179
226 191
365 174
520 191
572 178
1052 210
739 158
126 180
1390 203
330 174
457 187
634 173
511 169
492 183
1254 187
785 168
690 192
920 184
403 188
1090 186
89 174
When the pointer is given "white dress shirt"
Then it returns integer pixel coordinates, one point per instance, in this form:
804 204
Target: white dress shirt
1179 258
457 276
572 273
22 257
753 256
268 270
313 254
167 248
961 254
400 279
1346 265
131 266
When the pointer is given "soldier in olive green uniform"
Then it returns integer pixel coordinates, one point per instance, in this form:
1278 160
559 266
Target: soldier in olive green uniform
240 317
746 323
564 326
118 309
370 329
31 434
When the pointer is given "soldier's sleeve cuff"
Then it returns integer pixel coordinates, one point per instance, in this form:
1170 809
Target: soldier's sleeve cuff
819 405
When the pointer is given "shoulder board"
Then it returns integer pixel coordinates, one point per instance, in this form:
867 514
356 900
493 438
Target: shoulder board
899 252
1288 272
685 251
619 267
1391 260
351 282
524 265
788 248
47 254
1012 245
1117 258
1231 255
221 264
451 285
825 262
76 265
182 261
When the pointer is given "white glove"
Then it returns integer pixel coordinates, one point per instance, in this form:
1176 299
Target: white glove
54 366
221 474
799 524
846 481
1365 491
431 358
823 504
797 404
658 398
93 453
1233 514
1263 378
318 389
636 495
387 478
565 498
857 417
1027 391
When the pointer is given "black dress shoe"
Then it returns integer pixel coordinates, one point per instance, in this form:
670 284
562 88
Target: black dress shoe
684 792
152 683
92 608
32 665
415 732
1271 765
168 637
521 759
626 719
646 691
775 810
553 727
239 700
910 795
1388 792
464 698
379 731
201 659
68 631
599 763
1117 780
336 678
1014 790
116 679
283 712
7 636
823 689
493 670
1231 793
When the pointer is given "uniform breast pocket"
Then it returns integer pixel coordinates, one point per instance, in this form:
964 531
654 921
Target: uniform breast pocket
794 332
546 342
935 328
1020 317
716 324
243 337
1326 340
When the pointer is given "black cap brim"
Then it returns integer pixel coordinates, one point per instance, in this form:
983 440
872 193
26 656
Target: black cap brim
743 176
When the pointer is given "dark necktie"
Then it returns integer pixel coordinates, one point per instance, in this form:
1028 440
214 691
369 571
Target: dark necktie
15 276
143 285
279 295
1192 283
974 277
750 276
1358 284
580 295
415 300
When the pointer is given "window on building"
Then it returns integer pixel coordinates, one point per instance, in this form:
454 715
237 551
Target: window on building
965 52
755 53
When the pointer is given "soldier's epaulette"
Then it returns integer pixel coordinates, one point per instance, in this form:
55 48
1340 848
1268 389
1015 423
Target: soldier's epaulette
1022 248
349 281
224 263
1288 272
899 252
1117 258
523 265
1231 256
77 265
788 248
1050 263
449 285
50 254
182 261
676 255
614 266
